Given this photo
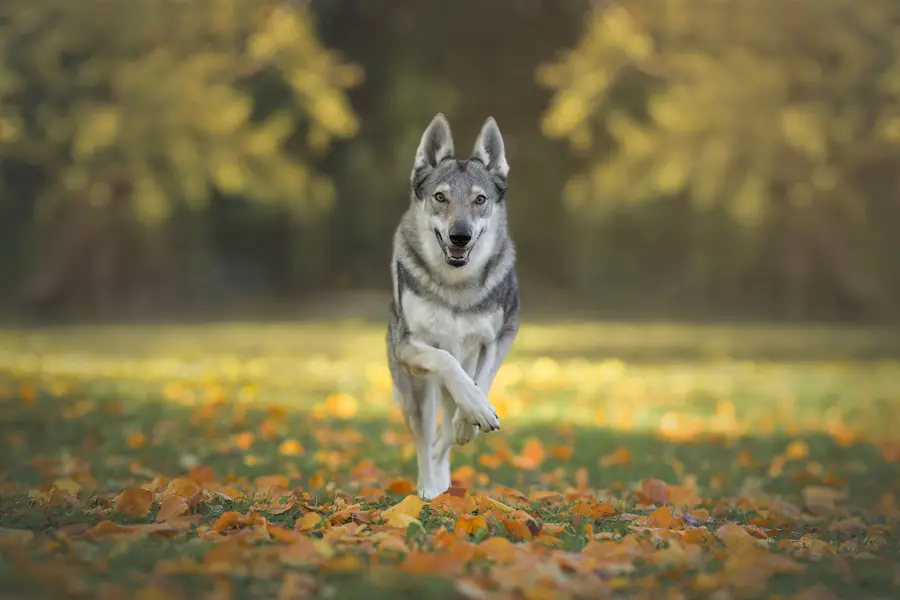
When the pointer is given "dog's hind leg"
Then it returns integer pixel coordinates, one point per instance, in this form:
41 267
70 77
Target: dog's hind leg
422 421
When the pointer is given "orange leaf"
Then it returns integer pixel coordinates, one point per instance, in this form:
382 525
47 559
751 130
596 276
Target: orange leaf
234 520
561 452
404 512
517 530
342 406
622 456
244 440
110 529
181 486
201 475
655 491
498 549
532 455
173 506
594 511
371 493
346 563
469 524
277 508
136 439
401 485
290 448
134 502
663 518
429 563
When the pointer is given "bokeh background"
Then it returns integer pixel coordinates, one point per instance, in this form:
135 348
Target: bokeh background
197 200
671 159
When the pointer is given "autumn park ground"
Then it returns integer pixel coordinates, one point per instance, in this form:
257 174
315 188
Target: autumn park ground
248 460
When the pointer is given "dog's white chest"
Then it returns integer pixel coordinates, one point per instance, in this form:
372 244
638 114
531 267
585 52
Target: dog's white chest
459 333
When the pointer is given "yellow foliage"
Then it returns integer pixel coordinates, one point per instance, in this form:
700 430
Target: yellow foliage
134 104
727 101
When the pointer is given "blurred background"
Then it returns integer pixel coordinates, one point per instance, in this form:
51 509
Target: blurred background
699 159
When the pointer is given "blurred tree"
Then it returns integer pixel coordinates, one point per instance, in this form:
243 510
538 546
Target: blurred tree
772 126
128 114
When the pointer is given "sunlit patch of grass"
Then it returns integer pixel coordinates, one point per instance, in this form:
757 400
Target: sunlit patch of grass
660 430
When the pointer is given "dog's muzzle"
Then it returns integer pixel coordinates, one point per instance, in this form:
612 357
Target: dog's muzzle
457 252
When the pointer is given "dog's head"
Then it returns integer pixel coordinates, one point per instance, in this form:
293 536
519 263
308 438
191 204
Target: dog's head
459 200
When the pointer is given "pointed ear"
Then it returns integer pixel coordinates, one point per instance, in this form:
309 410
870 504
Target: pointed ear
489 149
435 146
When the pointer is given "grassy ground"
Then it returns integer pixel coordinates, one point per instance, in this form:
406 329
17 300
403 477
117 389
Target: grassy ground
645 461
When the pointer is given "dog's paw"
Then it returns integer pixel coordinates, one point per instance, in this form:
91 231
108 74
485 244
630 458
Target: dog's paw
463 431
479 412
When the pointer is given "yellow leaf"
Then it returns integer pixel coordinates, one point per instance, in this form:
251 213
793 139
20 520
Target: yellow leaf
797 450
308 521
410 506
68 485
663 518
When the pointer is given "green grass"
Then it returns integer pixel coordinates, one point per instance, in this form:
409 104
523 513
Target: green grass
114 407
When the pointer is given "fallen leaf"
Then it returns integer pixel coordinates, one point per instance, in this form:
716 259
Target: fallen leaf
134 502
399 514
469 525
308 521
173 506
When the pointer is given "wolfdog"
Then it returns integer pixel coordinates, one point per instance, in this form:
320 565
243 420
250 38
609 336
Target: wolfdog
454 313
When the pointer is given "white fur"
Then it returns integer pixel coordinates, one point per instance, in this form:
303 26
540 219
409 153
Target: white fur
446 348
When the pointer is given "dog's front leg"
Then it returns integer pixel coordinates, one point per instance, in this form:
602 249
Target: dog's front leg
495 355
422 422
423 360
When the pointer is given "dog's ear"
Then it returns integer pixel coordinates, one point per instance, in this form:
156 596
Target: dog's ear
489 149
436 145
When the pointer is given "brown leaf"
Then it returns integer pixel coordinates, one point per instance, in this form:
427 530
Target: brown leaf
181 486
15 536
820 500
173 506
134 502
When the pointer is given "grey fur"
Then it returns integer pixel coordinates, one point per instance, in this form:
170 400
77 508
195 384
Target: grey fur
454 312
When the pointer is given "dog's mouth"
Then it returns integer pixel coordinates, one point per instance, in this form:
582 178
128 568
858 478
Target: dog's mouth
454 255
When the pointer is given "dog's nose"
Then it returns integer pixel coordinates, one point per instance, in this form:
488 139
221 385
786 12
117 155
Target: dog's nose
460 239
460 235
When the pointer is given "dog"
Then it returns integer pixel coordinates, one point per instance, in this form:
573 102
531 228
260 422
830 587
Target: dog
454 312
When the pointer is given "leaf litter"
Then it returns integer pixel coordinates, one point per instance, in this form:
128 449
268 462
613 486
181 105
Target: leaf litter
220 500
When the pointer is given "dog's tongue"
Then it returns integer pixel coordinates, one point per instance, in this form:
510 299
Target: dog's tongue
457 252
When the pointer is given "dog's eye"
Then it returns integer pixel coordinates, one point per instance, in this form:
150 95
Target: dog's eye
480 199
440 197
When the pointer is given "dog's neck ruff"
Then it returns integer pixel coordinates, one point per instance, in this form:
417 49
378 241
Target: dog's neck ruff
472 289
